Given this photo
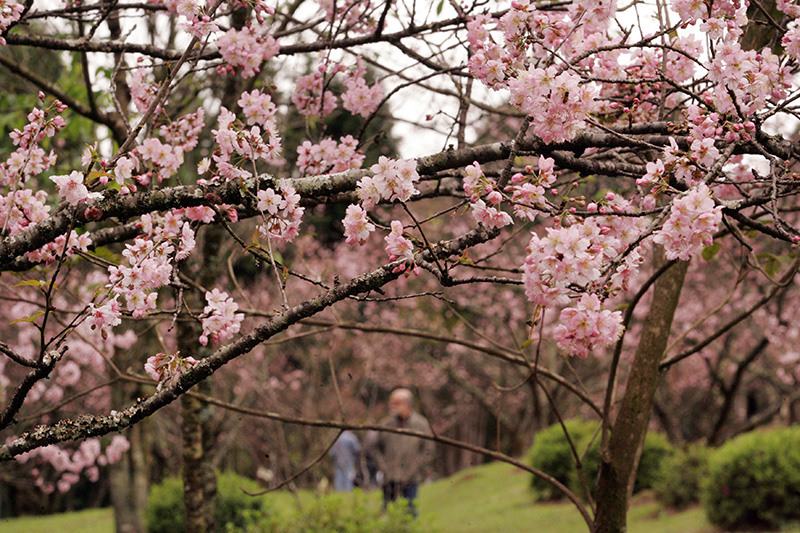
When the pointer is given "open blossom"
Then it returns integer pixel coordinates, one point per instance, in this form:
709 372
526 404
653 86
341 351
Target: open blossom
270 202
72 189
490 216
220 319
397 246
282 213
587 326
693 220
166 369
655 173
357 226
106 316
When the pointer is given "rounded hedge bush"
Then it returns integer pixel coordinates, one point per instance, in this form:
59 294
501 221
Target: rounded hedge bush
680 477
552 454
352 512
165 511
754 480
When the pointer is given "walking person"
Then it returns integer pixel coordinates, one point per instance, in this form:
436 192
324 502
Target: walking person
403 459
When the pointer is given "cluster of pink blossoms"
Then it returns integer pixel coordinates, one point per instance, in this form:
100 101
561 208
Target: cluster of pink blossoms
30 159
238 144
60 246
748 77
150 262
10 11
247 48
329 156
392 180
565 257
399 247
106 316
528 190
360 98
142 91
282 212
69 465
691 225
23 208
351 14
311 98
357 226
478 186
166 369
587 327
575 255
166 158
220 319
259 109
184 132
557 102
197 21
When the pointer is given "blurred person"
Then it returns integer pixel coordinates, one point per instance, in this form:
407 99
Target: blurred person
402 459
345 452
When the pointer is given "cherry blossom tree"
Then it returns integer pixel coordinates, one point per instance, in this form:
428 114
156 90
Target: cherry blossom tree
571 174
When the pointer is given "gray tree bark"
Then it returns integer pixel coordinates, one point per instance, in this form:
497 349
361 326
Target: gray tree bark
620 455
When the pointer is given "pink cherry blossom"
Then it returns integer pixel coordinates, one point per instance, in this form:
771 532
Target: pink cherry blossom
693 220
166 369
587 327
220 319
357 226
72 189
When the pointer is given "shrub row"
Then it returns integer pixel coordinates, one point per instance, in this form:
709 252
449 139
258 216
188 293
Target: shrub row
236 512
751 482
552 454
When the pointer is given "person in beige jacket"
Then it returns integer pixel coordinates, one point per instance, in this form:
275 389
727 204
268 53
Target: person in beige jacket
403 459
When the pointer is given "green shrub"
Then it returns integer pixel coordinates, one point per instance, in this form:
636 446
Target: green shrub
681 475
754 480
551 453
657 449
335 513
165 511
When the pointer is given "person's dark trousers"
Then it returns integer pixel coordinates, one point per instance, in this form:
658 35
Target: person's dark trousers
393 489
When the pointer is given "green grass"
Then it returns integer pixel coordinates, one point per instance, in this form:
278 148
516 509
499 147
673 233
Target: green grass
485 499
89 521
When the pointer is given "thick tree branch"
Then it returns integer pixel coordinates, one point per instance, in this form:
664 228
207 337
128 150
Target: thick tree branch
93 425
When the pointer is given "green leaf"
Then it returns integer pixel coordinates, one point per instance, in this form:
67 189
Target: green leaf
30 319
439 7
710 251
772 266
31 283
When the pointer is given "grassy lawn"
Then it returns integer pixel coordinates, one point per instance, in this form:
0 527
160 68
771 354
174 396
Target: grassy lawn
495 497
489 498
89 521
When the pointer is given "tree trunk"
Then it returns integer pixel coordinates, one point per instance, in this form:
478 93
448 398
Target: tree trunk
199 479
620 458
131 475
129 483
